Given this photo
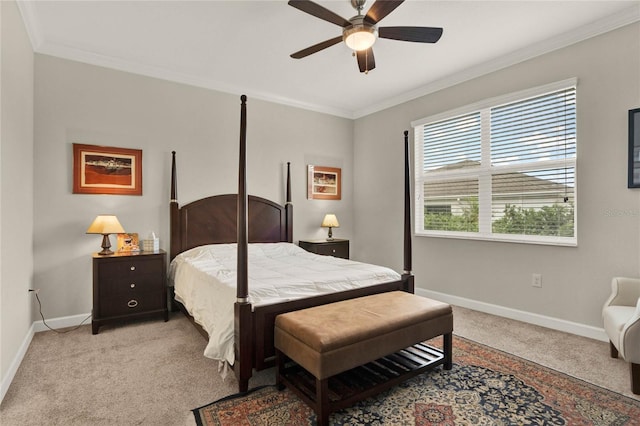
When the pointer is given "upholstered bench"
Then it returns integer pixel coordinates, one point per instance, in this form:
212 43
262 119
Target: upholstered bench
363 345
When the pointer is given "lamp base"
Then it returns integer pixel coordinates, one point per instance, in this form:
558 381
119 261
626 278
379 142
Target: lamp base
330 235
106 246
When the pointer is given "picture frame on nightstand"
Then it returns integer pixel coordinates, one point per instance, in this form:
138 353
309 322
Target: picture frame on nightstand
128 242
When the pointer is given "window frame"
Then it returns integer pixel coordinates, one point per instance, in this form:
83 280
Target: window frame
485 170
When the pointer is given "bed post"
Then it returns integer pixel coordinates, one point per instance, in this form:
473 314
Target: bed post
407 276
174 213
288 206
243 365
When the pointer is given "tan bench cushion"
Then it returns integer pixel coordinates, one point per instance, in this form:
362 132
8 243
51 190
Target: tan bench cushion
329 339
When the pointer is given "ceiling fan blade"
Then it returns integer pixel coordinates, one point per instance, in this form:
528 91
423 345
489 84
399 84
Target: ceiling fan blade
319 12
380 9
316 48
366 60
417 34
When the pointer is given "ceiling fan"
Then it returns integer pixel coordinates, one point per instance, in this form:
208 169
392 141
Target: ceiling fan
360 32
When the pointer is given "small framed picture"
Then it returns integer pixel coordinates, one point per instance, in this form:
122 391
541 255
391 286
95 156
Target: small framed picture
634 148
106 170
128 243
324 183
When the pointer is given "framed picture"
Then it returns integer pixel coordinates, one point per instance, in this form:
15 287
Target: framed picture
324 183
128 243
106 170
634 148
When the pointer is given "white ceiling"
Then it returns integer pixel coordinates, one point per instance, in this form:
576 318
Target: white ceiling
244 46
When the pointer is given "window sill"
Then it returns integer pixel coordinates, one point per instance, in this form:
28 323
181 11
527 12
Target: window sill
503 238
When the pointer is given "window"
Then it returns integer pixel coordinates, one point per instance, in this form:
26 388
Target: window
502 169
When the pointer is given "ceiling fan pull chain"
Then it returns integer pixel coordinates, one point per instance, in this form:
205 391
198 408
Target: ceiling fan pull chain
366 62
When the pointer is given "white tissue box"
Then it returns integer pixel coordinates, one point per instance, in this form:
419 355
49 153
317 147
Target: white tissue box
151 244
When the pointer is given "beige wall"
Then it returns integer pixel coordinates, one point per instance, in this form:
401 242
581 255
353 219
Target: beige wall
79 103
575 280
16 188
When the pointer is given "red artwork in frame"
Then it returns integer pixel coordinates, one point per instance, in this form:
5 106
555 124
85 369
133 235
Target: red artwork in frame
106 170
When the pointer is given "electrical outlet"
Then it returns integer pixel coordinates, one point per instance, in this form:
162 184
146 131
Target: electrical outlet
536 280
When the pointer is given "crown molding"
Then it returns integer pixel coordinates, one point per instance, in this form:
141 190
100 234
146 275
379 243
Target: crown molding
610 23
620 19
31 23
73 54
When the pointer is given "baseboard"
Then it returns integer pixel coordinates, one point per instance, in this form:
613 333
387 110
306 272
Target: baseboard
37 326
528 317
62 322
17 360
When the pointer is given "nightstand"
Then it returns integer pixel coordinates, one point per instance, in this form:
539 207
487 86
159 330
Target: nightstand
336 247
129 286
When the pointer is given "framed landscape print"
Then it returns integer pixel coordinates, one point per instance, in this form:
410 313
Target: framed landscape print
106 170
324 183
634 148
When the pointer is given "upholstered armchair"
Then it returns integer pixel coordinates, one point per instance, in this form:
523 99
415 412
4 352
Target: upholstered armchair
621 315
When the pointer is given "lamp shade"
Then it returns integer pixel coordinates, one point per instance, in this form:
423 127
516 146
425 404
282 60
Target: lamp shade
330 221
105 224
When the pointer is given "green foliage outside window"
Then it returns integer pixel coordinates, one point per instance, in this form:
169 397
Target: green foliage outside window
553 220
443 221
556 220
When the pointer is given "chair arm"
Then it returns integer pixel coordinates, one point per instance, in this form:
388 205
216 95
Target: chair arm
624 292
630 337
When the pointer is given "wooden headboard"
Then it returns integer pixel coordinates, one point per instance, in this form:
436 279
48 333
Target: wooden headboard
213 220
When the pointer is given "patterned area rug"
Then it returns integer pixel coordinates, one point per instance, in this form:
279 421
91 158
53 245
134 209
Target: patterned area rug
485 387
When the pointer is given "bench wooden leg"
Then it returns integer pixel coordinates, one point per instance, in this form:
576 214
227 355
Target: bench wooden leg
447 346
322 401
280 359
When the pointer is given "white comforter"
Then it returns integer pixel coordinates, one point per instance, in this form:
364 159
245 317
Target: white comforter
204 279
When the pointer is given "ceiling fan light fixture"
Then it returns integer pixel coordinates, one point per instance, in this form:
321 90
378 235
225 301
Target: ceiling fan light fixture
359 37
360 32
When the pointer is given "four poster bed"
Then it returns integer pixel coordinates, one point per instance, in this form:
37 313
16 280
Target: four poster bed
221 227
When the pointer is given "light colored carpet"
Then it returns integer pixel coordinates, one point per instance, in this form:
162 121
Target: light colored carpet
154 373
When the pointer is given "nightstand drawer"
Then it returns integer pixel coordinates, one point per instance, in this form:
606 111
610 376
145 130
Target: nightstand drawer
130 268
131 304
140 283
336 248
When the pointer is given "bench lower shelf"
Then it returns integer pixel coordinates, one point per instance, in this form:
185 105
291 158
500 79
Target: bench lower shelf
345 389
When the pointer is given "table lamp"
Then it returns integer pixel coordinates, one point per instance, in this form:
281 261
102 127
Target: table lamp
330 221
105 225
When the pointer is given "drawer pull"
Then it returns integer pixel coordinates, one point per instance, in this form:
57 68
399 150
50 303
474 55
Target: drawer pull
333 251
133 285
132 303
133 268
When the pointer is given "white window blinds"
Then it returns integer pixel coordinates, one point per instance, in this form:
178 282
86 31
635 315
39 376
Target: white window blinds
449 147
453 143
535 129
501 170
